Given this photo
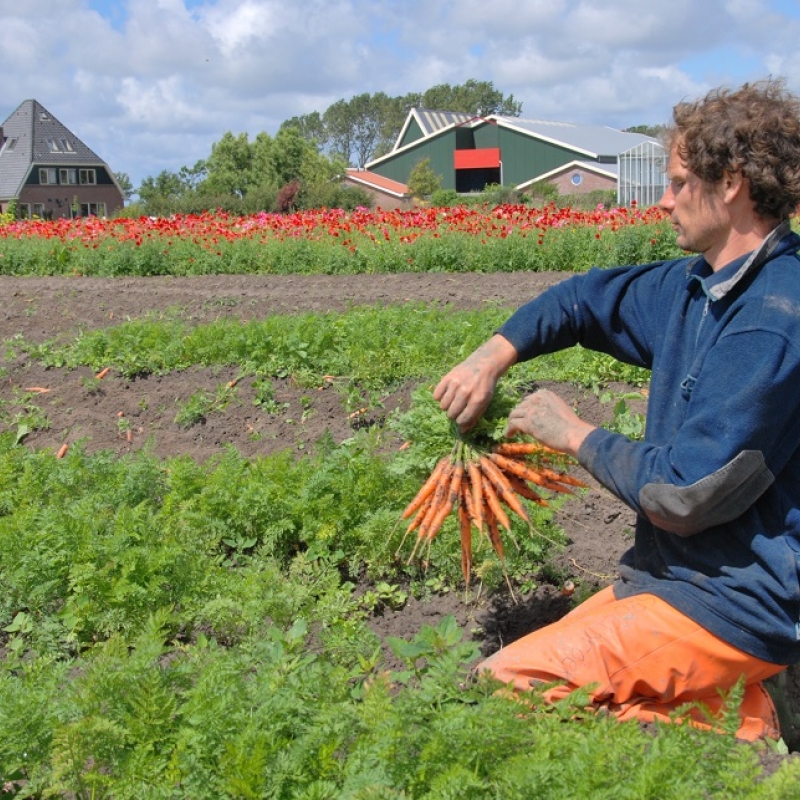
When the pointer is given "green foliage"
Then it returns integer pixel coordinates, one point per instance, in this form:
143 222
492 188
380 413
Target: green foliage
423 181
444 198
9 215
476 97
178 629
494 194
377 347
541 192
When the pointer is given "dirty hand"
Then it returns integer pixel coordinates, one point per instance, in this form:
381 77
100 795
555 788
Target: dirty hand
548 418
466 391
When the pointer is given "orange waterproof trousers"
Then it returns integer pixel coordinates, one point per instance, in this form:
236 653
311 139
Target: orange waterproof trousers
646 660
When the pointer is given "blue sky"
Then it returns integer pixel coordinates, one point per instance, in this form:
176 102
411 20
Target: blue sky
152 84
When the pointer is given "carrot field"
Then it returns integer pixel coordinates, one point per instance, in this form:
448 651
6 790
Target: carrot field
210 430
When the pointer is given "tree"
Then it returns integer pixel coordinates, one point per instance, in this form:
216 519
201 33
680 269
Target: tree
654 131
394 111
310 126
367 126
289 152
165 186
230 166
192 177
339 126
367 114
423 181
473 97
262 167
125 185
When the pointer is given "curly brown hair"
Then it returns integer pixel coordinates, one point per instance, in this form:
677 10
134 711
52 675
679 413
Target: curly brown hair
754 129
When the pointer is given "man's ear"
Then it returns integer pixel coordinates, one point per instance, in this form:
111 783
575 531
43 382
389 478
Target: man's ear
733 184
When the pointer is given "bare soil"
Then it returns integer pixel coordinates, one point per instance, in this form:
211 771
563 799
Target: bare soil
126 415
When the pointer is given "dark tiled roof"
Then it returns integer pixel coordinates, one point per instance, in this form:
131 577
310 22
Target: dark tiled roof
34 128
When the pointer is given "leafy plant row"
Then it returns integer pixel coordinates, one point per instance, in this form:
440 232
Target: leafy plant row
375 347
177 630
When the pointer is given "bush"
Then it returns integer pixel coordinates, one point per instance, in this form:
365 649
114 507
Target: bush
335 195
444 198
423 181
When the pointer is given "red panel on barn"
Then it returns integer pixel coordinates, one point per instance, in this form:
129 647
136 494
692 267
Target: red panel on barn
483 158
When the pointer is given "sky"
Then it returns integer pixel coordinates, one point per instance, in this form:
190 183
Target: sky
151 85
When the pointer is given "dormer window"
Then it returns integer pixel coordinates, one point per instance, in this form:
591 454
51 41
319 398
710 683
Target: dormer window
60 146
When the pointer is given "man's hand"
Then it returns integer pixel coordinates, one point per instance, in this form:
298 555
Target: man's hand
548 418
466 391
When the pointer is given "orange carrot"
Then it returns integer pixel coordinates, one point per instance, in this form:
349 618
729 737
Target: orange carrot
494 534
523 490
439 498
468 499
526 472
103 372
435 509
62 451
504 490
560 477
453 493
427 487
420 515
493 501
476 485
523 449
466 538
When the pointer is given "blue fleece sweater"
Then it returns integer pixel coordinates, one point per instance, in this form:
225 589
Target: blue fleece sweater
716 480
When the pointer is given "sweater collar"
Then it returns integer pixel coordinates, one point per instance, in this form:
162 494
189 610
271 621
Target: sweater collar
717 284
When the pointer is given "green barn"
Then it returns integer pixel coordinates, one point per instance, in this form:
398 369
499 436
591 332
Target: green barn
468 152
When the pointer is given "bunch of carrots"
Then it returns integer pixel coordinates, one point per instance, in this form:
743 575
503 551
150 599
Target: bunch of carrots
482 486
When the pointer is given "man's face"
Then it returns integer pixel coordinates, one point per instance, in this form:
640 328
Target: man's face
696 209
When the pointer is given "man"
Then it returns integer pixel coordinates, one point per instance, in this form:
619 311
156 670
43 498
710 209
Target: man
708 596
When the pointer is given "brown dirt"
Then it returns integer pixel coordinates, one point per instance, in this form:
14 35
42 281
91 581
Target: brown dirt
598 527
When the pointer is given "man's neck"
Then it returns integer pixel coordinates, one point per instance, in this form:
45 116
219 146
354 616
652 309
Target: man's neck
743 239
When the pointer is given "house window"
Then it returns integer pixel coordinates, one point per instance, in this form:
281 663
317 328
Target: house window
9 144
48 175
88 176
93 209
66 145
24 211
577 179
38 210
68 176
52 146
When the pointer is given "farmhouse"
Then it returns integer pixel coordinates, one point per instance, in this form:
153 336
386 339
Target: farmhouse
48 172
469 152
